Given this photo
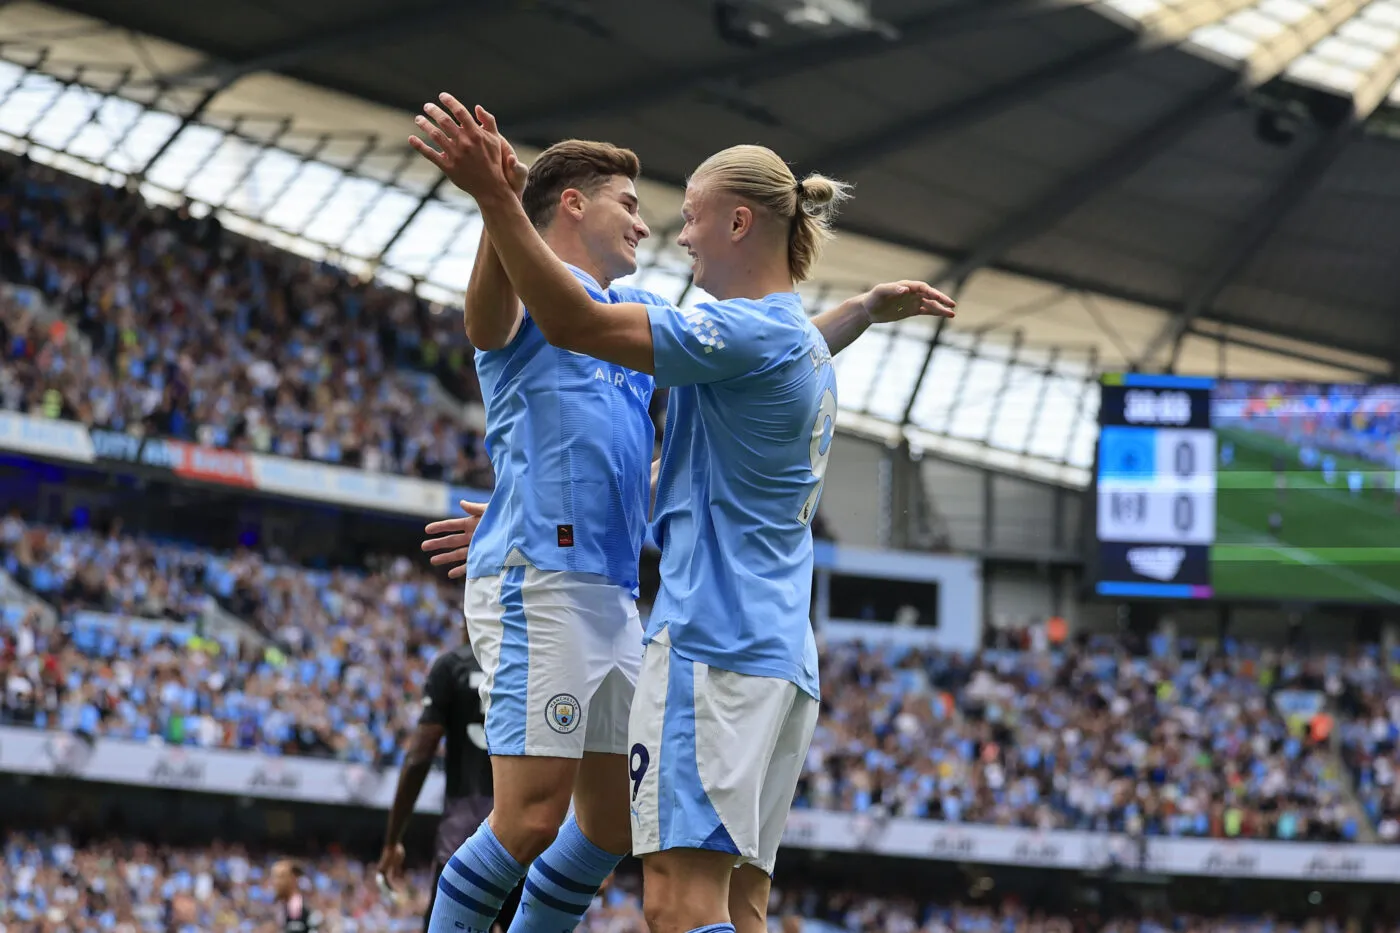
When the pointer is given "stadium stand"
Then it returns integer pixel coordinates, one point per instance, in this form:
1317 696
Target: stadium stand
173 327
1370 737
144 309
342 681
1087 738
47 881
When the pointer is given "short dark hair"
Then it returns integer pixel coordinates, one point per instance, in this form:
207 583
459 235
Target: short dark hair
574 163
297 869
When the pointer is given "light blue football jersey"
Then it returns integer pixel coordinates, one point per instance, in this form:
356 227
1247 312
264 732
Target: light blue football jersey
751 416
571 442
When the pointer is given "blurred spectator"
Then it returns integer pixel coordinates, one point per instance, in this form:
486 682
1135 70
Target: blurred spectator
1368 693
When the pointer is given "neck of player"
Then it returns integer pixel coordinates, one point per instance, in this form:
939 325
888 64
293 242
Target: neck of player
571 249
755 278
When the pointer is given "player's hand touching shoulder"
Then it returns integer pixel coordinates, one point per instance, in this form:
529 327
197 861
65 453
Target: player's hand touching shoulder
453 537
895 301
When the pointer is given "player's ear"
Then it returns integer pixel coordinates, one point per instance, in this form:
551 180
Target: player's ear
572 201
740 223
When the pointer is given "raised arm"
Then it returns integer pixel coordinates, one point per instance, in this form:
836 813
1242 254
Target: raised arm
883 304
492 311
558 303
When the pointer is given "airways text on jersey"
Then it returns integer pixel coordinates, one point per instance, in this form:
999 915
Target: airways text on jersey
621 378
570 438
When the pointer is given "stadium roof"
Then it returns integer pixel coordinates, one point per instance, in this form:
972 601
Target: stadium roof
1131 182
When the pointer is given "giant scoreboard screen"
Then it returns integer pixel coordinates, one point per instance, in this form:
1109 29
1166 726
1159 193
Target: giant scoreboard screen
1248 490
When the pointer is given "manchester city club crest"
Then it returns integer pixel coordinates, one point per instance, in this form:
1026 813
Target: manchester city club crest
563 713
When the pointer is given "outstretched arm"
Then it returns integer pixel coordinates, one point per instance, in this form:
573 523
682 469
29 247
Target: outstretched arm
566 315
883 304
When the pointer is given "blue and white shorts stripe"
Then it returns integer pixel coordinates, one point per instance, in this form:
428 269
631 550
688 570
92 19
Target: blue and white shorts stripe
561 652
715 757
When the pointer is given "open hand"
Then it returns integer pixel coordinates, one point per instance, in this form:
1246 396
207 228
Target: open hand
469 150
456 538
895 301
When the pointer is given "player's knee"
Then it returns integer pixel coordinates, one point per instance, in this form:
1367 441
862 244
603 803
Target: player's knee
610 835
682 908
537 829
674 909
601 802
527 829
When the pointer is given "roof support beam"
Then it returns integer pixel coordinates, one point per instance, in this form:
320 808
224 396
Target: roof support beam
947 21
1299 183
1160 31
1229 339
1236 254
1262 65
383 28
873 144
1115 167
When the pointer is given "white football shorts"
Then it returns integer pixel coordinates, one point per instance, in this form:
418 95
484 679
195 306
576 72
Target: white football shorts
561 652
715 757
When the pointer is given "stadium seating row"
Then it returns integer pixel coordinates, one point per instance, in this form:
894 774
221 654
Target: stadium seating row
1090 738
121 886
170 326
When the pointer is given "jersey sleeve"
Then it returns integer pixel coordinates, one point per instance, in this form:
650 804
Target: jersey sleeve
437 692
710 342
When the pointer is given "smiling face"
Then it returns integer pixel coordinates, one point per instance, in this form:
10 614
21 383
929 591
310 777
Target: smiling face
611 225
714 223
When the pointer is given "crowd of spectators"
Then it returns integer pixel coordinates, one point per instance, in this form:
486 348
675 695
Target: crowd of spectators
840 911
171 326
106 572
50 885
1086 737
341 676
1369 696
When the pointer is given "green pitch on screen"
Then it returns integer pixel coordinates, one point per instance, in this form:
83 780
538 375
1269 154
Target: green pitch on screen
1331 545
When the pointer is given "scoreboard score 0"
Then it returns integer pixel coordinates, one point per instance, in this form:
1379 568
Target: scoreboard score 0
1156 487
